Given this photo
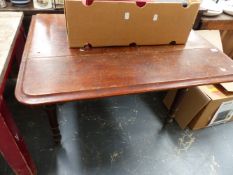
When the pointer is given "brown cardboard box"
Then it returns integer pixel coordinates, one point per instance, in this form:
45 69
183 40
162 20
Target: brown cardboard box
200 105
118 23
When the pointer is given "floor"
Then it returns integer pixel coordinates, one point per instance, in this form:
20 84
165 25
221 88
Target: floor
121 136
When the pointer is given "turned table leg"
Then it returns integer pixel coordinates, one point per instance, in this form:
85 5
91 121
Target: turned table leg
176 104
52 116
12 146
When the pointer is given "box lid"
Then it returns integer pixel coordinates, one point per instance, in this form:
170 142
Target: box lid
227 86
215 92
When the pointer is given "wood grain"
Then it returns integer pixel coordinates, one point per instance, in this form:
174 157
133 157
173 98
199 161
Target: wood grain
221 22
51 72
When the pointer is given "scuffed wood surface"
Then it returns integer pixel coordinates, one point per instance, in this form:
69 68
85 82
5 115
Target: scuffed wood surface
9 27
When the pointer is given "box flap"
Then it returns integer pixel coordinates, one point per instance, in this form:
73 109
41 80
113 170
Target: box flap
213 92
227 86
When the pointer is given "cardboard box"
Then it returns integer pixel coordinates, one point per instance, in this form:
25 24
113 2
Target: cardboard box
203 106
121 23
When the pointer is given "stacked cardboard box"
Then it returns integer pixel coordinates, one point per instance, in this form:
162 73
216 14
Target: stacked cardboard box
203 106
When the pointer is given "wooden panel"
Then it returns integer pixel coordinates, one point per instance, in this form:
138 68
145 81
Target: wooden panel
221 22
134 69
51 72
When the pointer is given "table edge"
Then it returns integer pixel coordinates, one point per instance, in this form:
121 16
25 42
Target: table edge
102 93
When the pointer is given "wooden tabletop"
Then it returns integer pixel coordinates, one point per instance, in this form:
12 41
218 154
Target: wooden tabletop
50 72
221 22
10 23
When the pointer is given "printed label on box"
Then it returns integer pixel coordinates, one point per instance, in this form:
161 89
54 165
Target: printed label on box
223 114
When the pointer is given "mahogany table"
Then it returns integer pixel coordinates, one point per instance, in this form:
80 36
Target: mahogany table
12 146
51 72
